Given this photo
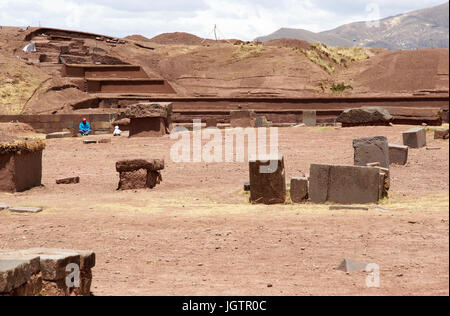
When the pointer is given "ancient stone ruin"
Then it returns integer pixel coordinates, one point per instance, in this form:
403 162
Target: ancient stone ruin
139 174
365 116
299 190
415 137
20 165
441 134
347 184
243 118
149 119
371 149
310 118
46 272
267 181
398 154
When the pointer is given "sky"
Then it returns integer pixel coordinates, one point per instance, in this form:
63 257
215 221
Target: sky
238 19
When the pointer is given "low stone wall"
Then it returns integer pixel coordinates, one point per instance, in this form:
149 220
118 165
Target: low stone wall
57 123
46 272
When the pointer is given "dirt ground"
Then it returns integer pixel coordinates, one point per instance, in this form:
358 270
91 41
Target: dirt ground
196 233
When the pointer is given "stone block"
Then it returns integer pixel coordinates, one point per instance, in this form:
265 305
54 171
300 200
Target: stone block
20 171
3 206
344 184
398 154
268 181
370 150
243 118
73 180
299 190
148 127
19 209
261 121
365 116
211 122
53 263
441 134
310 118
89 141
350 266
105 141
59 135
136 164
16 270
415 138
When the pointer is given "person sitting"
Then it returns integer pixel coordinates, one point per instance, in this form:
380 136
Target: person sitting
117 131
85 128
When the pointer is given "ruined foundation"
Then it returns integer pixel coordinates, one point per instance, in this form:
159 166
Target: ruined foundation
139 174
46 272
347 184
267 186
243 118
149 119
20 166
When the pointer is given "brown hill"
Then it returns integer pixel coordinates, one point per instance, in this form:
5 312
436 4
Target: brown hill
30 83
178 38
289 42
137 37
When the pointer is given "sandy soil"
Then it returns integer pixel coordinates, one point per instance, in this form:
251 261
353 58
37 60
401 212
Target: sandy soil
196 233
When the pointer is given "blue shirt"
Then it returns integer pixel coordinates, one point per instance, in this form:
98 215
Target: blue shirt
85 126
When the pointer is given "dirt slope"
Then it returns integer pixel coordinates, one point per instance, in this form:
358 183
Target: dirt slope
283 68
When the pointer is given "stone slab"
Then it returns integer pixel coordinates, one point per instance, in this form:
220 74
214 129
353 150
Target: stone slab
20 209
137 164
310 118
299 190
351 208
3 206
344 184
398 154
16 269
370 150
350 266
415 138
73 180
58 135
87 257
242 118
441 134
89 141
54 262
267 184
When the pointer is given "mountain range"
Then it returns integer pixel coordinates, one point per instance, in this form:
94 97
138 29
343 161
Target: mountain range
426 28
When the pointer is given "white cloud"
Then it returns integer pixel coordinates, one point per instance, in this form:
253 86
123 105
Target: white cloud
243 19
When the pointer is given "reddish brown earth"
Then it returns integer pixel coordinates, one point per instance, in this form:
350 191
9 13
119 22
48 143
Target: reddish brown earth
219 69
289 42
196 233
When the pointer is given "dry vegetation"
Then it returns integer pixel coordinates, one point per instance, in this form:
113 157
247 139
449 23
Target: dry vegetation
328 58
17 85
247 50
21 146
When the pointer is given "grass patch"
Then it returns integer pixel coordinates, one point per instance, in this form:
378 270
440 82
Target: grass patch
340 87
328 58
17 85
247 50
